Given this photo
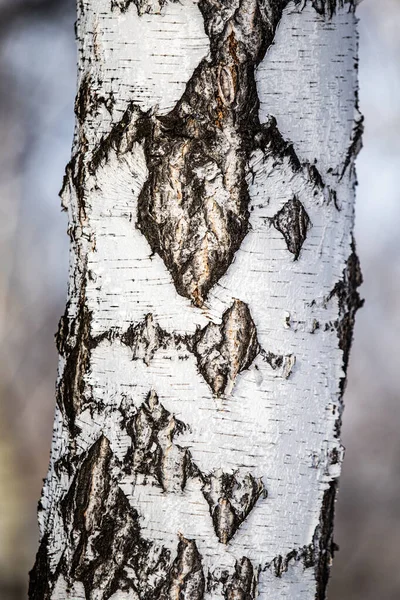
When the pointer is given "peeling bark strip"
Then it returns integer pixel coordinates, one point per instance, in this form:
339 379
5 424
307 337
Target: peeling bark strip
197 432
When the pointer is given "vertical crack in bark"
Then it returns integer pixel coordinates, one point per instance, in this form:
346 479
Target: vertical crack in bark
223 351
243 584
231 498
193 208
293 222
355 145
155 454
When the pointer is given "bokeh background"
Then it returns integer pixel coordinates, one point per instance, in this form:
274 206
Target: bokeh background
37 88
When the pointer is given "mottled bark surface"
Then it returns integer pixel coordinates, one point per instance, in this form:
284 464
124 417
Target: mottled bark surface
212 298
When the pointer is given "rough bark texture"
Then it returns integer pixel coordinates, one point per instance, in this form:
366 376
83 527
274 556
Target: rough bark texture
212 298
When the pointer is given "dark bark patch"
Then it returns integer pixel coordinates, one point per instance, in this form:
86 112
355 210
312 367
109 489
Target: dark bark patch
73 341
327 8
349 301
293 222
121 137
144 7
186 579
231 498
323 541
108 551
193 208
243 584
355 145
223 351
145 339
280 362
40 577
155 454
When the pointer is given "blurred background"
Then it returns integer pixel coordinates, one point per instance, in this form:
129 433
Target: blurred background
37 88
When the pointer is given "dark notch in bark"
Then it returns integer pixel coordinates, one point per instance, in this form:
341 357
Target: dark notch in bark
293 222
243 584
193 208
108 551
355 145
122 136
223 351
40 576
186 579
155 454
323 541
231 498
349 301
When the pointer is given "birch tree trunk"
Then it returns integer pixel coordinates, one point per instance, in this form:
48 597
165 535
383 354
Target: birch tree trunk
212 296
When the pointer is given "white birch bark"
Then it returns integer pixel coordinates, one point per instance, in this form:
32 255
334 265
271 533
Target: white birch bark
213 288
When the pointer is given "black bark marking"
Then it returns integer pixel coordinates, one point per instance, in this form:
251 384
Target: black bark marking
186 579
281 362
293 222
143 6
349 301
323 540
319 554
145 339
73 341
327 8
231 498
243 584
108 551
193 208
355 145
223 351
40 576
155 454
130 129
